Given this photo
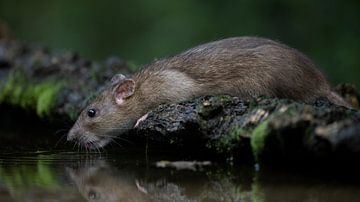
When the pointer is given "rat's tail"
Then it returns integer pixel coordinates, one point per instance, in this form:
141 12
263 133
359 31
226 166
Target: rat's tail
337 99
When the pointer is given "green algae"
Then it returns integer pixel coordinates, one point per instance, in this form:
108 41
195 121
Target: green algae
258 137
20 91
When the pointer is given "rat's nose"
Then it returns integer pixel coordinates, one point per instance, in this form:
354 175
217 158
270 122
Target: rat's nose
72 134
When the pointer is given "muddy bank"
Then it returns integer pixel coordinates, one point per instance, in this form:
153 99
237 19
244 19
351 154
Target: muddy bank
56 86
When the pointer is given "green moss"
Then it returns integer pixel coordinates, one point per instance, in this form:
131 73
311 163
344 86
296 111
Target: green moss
10 92
227 142
258 136
46 94
18 90
236 133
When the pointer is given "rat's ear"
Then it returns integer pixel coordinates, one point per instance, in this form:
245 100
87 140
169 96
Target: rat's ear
117 78
124 89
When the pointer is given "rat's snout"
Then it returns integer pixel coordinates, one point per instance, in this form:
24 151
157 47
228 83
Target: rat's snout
73 134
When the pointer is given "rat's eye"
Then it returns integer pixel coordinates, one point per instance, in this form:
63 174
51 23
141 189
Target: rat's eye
93 195
91 112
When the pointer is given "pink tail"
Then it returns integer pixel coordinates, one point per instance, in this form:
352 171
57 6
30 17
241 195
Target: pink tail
337 99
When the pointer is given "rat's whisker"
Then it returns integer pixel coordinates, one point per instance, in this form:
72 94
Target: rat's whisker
80 147
77 124
91 145
113 140
116 137
69 122
60 131
86 149
124 139
103 150
95 148
57 142
115 128
104 135
98 150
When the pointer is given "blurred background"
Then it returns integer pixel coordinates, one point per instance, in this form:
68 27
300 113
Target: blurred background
142 30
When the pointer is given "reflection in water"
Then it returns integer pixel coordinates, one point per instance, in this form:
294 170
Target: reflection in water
71 177
34 178
101 182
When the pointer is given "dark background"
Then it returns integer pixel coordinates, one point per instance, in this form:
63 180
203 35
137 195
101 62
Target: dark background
141 30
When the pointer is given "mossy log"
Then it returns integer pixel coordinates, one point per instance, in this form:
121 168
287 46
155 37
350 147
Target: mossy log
264 129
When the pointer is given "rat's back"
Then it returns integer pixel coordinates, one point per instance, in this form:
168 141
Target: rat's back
246 67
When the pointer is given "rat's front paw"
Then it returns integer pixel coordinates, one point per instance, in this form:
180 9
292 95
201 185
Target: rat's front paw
141 119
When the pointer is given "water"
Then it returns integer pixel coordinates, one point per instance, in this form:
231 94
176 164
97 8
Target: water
52 173
134 176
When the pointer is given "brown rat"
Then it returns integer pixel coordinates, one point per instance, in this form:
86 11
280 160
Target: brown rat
241 66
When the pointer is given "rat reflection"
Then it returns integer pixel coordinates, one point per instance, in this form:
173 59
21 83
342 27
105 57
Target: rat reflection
101 182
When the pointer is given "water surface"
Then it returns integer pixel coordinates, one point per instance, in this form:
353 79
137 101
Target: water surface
133 176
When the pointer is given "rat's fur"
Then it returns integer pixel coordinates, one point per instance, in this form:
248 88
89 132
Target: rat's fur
241 66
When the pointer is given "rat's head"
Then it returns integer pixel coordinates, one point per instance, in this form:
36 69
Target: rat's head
107 116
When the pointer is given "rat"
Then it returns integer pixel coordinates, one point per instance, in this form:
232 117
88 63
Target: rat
242 67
